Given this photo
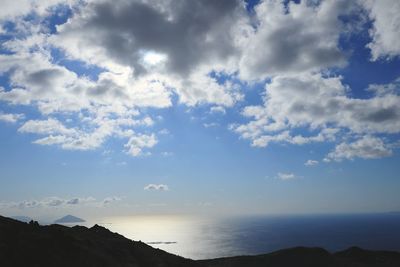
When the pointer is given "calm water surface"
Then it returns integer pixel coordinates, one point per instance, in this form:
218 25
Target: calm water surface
200 238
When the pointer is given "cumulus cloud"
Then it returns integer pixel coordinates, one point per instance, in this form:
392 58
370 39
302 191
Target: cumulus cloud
187 40
49 126
293 38
367 147
320 105
97 110
105 107
392 88
186 33
311 162
17 8
156 187
386 28
93 130
137 143
11 118
203 52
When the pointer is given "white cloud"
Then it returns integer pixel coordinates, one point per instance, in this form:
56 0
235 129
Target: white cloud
137 143
49 126
293 38
286 176
189 39
311 162
392 88
156 187
367 147
11 118
36 80
10 9
385 33
320 107
92 132
103 106
185 50
98 110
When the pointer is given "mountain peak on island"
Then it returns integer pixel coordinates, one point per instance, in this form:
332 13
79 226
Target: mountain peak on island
69 219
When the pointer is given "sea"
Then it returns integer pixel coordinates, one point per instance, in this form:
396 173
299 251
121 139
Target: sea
205 238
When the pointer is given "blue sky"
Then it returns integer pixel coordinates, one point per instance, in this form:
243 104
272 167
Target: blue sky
132 107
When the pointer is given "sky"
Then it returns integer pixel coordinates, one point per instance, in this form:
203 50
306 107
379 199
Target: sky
199 107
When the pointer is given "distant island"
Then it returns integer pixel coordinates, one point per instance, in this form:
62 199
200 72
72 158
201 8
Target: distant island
69 219
30 244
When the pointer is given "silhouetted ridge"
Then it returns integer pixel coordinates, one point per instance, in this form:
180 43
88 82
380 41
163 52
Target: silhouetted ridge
22 218
379 258
23 244
29 244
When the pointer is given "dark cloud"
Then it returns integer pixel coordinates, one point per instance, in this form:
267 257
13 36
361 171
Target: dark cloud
188 32
385 114
294 38
44 78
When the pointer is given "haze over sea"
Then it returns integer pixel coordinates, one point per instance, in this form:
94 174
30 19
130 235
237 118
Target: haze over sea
202 238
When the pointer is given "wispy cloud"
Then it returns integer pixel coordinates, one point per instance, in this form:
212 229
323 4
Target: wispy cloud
286 176
218 109
57 202
108 200
210 125
157 187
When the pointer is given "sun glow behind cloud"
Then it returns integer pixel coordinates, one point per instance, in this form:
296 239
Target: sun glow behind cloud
153 58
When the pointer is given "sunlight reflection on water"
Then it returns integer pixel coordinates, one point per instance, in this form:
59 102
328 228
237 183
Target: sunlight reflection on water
181 235
203 238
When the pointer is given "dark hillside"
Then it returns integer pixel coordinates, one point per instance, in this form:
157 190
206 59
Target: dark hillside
29 244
